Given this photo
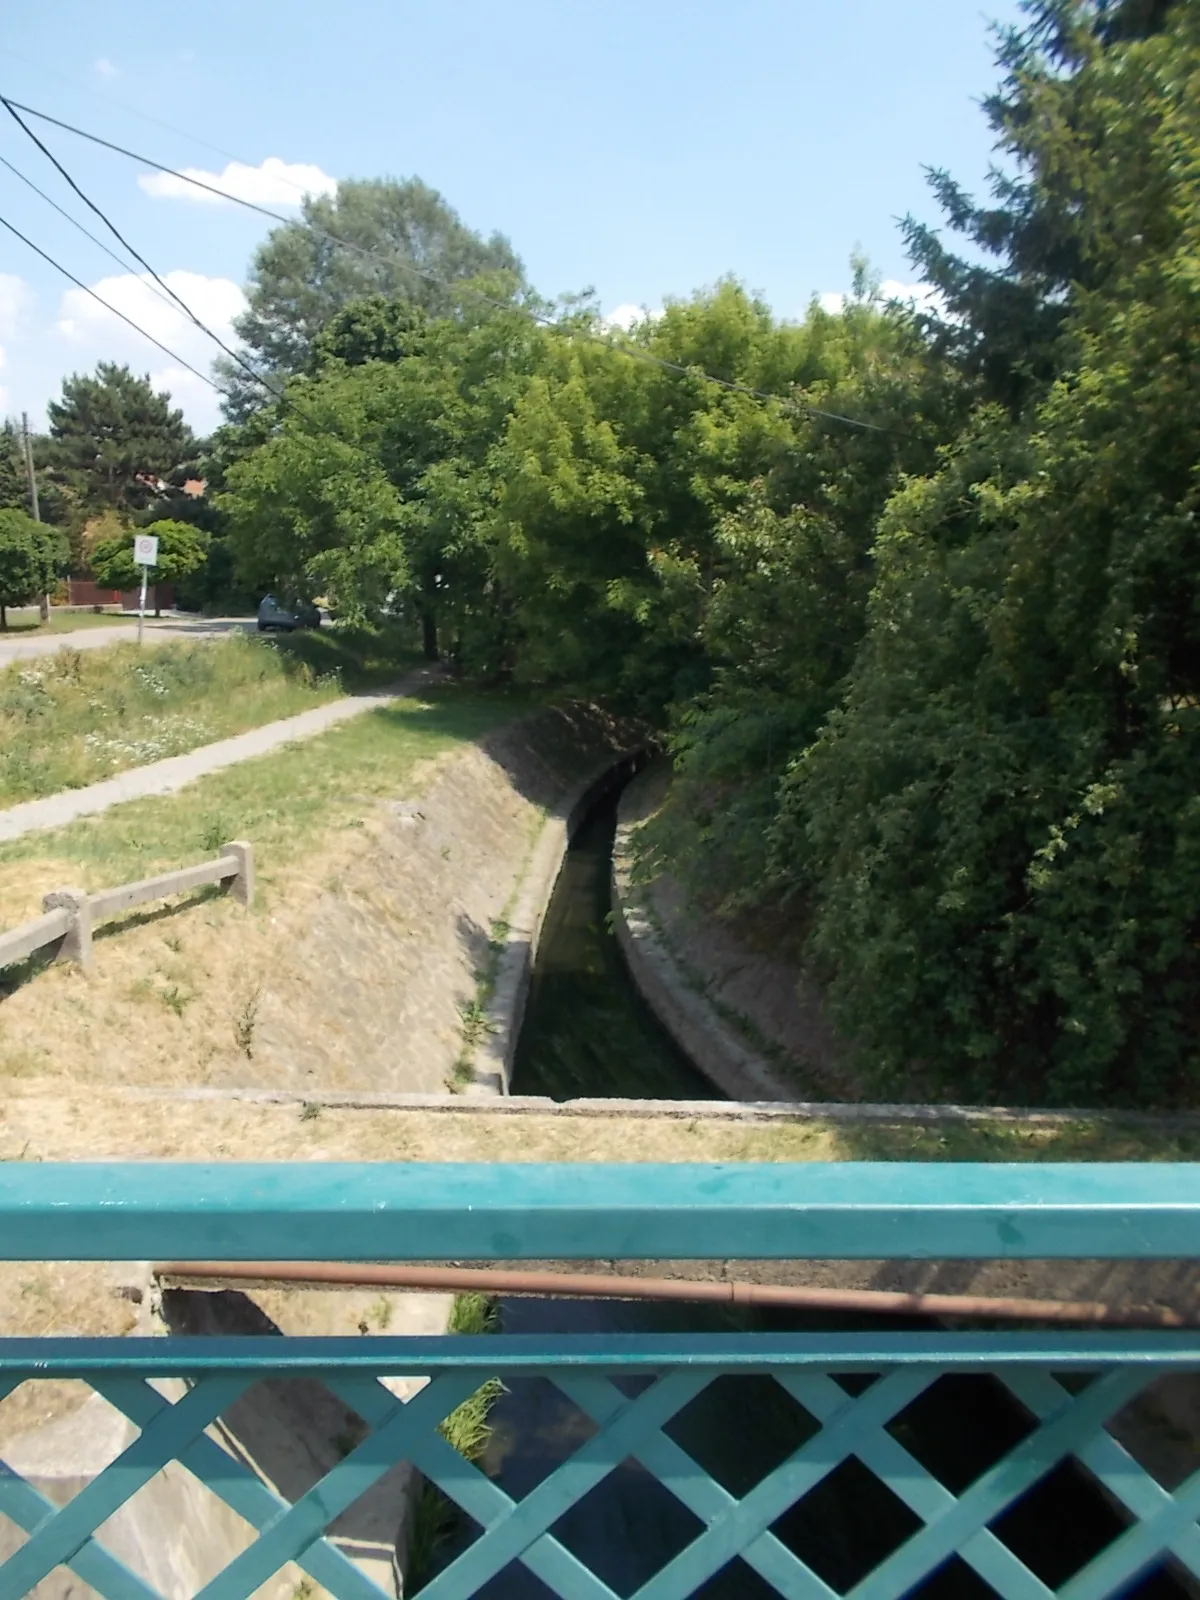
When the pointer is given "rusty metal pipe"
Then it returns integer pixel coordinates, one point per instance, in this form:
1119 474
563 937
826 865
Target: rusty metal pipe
605 1286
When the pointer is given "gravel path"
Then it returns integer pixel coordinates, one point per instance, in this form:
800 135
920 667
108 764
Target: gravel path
164 631
165 777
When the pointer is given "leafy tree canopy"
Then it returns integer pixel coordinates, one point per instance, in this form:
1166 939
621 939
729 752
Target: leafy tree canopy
182 548
32 556
401 240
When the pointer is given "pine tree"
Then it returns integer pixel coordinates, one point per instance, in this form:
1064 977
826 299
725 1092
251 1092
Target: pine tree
113 437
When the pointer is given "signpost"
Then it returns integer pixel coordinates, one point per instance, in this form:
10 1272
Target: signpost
145 553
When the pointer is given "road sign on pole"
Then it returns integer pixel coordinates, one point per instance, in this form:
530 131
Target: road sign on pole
145 553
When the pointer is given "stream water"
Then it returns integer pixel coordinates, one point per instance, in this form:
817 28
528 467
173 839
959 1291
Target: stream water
587 1032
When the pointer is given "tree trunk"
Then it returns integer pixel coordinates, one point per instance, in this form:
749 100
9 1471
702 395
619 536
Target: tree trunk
429 639
4 618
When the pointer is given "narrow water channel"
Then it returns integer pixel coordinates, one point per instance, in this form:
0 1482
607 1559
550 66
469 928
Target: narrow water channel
587 1032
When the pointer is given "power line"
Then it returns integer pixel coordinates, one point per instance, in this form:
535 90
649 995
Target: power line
79 284
132 111
137 256
500 305
75 223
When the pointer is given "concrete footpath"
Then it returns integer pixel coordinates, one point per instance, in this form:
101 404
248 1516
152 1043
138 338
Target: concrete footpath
161 630
165 777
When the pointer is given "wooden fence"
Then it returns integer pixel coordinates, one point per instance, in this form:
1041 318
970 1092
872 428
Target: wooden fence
69 915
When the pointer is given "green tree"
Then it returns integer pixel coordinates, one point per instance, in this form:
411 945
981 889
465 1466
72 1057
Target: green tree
112 437
402 241
1053 226
182 550
32 556
372 481
14 485
998 831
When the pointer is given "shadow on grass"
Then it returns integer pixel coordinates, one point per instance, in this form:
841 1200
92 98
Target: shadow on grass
361 658
1087 1138
22 972
160 913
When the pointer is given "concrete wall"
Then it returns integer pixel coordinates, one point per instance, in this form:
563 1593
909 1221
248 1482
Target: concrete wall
491 1062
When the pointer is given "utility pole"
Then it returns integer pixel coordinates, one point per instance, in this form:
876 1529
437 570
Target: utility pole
44 603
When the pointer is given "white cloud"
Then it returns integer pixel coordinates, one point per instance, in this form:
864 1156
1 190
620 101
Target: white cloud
216 301
922 296
105 68
91 333
624 316
16 298
274 182
188 391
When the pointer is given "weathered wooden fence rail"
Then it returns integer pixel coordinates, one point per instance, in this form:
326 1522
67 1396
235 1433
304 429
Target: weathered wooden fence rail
858 1390
71 914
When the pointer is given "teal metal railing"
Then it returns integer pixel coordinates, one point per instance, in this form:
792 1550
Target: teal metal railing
855 1386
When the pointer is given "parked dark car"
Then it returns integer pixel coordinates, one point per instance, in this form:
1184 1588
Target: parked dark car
274 617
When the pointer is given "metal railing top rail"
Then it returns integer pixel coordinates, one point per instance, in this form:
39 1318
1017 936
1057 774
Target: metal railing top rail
415 1211
512 1355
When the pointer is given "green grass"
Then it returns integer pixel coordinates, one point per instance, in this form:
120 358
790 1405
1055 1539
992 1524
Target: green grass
76 717
27 619
281 801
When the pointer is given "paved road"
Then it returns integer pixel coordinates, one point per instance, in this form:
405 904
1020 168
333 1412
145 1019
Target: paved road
164 777
162 631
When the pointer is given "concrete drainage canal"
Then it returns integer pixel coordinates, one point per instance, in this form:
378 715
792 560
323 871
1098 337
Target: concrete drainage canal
587 1032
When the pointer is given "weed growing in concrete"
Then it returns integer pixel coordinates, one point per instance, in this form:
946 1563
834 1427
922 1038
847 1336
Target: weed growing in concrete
475 1014
381 1313
309 1111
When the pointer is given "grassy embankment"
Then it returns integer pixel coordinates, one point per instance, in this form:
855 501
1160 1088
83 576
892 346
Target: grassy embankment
284 802
74 718
27 620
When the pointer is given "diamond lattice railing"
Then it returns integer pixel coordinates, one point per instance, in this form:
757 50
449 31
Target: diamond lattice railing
858 1401
851 1422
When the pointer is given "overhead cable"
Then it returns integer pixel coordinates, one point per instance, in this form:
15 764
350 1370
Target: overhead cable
607 340
79 284
75 223
137 256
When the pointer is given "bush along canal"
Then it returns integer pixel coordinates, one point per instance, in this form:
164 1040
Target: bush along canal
588 1032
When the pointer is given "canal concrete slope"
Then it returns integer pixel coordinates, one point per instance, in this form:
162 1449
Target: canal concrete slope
676 991
502 1001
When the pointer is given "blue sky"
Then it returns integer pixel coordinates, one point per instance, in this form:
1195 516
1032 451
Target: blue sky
640 149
